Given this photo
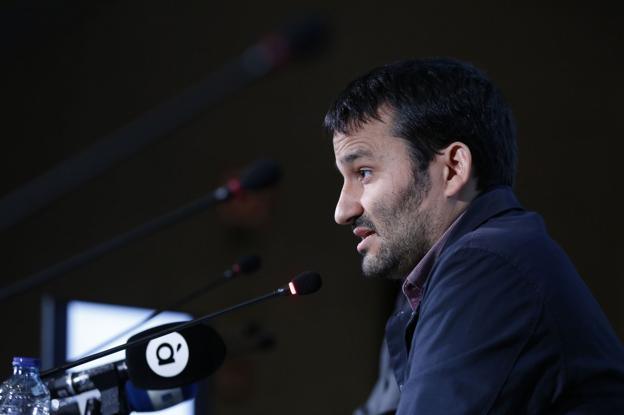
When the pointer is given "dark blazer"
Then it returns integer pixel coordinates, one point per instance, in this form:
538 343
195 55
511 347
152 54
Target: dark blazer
505 326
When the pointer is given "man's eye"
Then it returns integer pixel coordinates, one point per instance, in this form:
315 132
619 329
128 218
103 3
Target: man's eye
365 173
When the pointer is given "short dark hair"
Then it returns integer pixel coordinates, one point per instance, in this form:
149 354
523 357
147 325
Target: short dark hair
434 102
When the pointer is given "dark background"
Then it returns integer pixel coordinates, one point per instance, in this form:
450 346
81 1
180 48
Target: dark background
74 71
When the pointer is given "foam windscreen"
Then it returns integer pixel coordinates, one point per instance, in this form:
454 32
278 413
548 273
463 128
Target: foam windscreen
176 359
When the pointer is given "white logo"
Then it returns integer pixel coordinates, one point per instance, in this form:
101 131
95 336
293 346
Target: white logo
168 355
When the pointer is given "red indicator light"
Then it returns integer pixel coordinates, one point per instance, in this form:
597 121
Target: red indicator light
293 291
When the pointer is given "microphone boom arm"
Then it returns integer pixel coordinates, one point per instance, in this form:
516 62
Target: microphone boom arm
277 293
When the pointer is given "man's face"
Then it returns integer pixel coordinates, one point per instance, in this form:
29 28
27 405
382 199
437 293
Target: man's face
391 210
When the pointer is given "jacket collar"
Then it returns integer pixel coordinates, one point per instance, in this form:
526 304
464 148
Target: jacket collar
492 202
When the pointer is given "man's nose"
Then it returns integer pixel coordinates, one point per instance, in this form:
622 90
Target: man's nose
348 208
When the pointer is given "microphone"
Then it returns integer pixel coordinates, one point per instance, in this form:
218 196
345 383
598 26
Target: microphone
170 361
296 39
202 348
245 265
176 359
299 38
262 174
303 284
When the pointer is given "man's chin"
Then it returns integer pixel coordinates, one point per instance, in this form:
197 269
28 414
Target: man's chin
368 268
373 267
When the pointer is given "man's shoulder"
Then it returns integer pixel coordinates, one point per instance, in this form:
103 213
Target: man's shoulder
515 237
508 276
511 246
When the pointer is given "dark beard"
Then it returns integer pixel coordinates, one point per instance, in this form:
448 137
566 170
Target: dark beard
407 231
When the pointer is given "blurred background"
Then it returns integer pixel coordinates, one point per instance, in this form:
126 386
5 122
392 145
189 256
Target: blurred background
74 72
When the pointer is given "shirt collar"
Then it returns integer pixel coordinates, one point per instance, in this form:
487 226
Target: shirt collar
415 281
492 202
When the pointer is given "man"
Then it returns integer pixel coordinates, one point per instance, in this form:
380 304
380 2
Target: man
497 321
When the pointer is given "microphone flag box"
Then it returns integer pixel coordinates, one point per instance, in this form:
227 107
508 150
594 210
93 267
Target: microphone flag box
176 359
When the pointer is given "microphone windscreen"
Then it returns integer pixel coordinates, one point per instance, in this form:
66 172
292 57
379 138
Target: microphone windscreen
248 263
306 35
175 359
142 400
305 283
263 173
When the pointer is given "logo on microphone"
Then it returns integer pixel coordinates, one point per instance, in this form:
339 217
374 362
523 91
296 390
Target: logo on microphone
168 355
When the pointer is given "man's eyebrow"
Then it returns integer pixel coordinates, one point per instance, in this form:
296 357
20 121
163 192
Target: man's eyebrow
351 157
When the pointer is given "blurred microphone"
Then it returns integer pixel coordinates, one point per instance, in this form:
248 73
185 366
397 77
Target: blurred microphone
298 38
245 265
261 174
163 352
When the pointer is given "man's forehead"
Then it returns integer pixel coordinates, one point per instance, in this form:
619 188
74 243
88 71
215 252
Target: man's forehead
348 148
368 141
356 154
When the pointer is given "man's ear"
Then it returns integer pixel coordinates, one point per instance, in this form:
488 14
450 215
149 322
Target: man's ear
457 160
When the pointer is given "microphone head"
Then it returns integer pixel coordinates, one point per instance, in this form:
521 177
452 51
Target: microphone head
248 263
305 283
306 34
142 400
175 359
261 174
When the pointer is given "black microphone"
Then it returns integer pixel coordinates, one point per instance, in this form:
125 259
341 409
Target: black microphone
176 359
307 34
262 174
170 361
303 284
301 37
245 265
296 39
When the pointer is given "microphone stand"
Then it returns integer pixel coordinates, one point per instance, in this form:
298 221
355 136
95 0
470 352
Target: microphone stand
118 241
261 174
178 327
303 284
172 306
112 399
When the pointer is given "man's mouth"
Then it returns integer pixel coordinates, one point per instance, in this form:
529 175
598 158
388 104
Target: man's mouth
363 233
